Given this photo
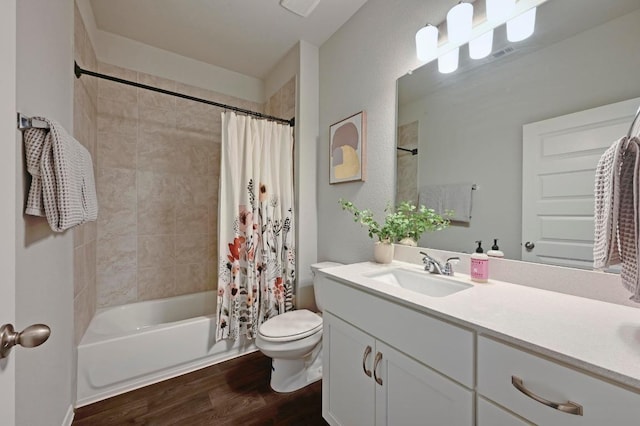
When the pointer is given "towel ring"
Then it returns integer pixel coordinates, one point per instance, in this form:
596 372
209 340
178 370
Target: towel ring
633 123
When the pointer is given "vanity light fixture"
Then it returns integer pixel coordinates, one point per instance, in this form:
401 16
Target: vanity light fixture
459 21
427 43
448 62
522 26
498 11
481 46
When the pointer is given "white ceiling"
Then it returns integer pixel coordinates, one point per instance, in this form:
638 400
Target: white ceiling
246 36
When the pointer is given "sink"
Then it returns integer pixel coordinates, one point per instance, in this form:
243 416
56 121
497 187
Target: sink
420 282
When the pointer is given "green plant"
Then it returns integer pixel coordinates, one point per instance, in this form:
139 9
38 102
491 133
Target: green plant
406 220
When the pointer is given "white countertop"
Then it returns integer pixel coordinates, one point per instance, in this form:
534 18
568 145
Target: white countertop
599 337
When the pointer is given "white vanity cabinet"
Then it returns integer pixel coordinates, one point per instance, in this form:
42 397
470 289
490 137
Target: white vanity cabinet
548 393
396 372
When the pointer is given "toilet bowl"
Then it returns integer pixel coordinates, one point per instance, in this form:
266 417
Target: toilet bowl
293 341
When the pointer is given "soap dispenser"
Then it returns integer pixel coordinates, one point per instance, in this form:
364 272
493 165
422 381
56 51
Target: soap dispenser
479 265
495 250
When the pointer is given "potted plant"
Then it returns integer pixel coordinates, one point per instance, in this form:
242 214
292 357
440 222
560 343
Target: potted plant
412 221
405 221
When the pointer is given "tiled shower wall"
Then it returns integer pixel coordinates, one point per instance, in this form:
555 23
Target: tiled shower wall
85 94
407 164
157 178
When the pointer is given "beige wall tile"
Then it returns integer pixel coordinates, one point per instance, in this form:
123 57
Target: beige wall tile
156 282
156 217
117 198
191 278
156 250
192 220
82 313
116 271
191 248
155 99
288 97
158 153
154 186
156 120
116 151
117 116
117 91
79 270
78 235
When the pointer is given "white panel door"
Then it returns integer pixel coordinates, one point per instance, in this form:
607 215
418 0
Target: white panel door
8 135
412 394
348 395
559 157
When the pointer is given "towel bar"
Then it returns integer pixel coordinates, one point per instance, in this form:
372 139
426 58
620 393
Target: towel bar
25 123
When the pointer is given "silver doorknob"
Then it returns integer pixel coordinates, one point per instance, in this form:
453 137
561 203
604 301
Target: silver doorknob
30 337
529 245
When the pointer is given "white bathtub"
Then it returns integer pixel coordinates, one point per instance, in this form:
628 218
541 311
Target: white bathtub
130 346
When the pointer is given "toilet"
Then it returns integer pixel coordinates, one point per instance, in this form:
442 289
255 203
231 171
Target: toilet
293 341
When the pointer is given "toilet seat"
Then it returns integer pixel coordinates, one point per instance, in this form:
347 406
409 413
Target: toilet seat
290 326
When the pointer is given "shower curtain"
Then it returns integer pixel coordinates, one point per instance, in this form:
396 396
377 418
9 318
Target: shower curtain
256 267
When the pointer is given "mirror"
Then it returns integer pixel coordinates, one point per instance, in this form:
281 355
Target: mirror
468 125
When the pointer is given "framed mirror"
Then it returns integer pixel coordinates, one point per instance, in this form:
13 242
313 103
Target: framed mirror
467 127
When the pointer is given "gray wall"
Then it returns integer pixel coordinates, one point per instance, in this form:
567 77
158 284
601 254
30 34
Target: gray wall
359 66
44 261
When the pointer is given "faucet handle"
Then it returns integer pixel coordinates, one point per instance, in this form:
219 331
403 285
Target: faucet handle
426 257
453 260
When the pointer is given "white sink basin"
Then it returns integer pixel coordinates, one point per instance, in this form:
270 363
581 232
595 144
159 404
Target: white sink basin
420 282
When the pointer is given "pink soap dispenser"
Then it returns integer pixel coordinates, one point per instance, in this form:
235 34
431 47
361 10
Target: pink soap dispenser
479 265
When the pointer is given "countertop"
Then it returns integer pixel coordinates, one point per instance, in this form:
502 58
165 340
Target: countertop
599 337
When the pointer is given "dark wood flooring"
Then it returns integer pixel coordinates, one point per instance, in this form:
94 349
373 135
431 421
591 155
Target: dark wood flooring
233 393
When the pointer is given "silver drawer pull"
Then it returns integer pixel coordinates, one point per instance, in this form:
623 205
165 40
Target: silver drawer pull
367 352
566 407
376 361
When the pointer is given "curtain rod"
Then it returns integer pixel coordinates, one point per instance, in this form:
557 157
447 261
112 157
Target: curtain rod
79 71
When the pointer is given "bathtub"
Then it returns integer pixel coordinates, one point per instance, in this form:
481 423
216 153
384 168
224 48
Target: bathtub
131 346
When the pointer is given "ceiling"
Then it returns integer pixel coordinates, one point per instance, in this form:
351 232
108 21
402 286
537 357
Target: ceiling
246 36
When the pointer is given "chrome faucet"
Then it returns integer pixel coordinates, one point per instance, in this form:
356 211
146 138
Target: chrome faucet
433 266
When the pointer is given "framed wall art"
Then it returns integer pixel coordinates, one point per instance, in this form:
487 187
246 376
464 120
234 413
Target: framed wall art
347 138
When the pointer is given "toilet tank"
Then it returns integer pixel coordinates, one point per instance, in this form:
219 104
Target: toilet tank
318 291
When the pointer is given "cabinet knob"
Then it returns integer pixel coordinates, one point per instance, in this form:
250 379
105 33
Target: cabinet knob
375 368
367 352
529 245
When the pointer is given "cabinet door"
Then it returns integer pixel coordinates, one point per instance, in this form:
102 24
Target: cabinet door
413 394
348 395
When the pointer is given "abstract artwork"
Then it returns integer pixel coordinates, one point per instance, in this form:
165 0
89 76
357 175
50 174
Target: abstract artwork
347 153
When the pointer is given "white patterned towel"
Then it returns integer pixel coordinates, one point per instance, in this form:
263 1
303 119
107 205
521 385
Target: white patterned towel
617 216
62 186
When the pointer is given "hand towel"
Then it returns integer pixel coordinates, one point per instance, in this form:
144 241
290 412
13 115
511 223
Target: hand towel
455 197
616 212
63 185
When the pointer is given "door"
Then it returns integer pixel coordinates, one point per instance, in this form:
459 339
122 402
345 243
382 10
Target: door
558 173
348 395
409 393
8 134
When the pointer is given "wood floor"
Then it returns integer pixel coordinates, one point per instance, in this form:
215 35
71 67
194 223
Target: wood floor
234 393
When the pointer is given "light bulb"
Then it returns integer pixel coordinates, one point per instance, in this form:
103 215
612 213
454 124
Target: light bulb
522 26
498 11
427 43
448 62
481 47
459 20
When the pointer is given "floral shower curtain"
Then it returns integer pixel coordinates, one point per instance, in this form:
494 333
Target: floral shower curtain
256 267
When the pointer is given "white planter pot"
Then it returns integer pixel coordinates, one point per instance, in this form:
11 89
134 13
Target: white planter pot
408 241
383 252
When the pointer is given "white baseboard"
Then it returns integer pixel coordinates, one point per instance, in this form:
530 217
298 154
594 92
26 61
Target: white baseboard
68 419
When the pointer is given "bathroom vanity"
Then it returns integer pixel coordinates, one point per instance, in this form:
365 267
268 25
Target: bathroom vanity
481 354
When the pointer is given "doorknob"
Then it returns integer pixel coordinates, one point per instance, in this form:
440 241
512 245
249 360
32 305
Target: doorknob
529 245
30 337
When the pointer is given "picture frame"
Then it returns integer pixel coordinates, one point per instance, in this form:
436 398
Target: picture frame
347 143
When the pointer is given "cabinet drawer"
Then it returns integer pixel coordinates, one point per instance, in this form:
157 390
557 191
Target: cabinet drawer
440 345
602 403
490 414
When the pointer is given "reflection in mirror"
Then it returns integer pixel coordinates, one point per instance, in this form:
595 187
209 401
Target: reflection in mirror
468 128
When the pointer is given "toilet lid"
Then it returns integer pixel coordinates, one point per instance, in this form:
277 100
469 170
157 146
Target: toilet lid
291 325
